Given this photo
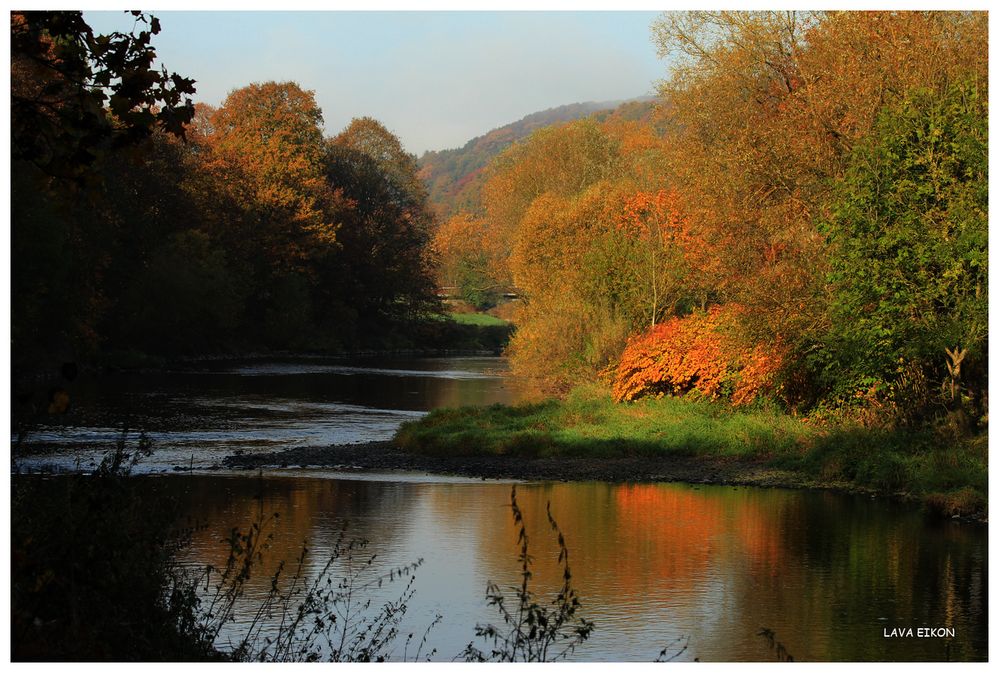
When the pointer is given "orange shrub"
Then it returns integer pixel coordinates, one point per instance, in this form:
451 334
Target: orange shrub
697 352
760 373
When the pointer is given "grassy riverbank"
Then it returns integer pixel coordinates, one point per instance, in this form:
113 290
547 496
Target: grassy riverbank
949 475
480 319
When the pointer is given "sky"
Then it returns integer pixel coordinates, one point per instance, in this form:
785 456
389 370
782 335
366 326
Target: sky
435 79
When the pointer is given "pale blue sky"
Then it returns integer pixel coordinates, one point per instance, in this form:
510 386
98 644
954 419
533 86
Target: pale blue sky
435 79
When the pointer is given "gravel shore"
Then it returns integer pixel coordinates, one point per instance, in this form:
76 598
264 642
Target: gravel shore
721 470
385 456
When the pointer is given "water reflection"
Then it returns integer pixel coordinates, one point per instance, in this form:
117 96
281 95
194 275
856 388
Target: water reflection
828 573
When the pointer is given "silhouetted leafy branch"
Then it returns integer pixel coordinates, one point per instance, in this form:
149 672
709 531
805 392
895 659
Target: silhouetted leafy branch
533 631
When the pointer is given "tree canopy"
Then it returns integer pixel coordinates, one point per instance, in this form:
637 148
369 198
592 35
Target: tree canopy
74 93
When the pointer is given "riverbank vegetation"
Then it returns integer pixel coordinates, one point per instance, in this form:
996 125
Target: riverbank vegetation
948 474
93 571
803 224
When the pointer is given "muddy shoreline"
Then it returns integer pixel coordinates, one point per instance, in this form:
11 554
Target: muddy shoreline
716 470
386 456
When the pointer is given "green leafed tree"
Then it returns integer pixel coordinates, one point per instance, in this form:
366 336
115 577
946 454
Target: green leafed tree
380 271
909 241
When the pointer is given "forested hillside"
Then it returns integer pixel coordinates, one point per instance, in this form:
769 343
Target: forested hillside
453 176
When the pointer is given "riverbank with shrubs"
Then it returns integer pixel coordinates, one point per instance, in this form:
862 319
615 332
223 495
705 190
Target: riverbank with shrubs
946 472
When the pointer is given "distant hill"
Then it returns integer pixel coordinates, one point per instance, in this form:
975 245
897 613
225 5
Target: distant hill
453 177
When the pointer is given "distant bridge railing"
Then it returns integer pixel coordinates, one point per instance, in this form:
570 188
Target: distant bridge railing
451 292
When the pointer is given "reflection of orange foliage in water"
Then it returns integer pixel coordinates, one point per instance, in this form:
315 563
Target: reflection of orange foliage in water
674 531
627 539
310 511
295 524
683 532
761 538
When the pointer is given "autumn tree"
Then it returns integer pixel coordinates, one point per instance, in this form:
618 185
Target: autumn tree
79 102
370 137
563 160
765 110
575 316
737 163
266 143
381 271
546 200
554 207
165 264
461 247
657 227
74 93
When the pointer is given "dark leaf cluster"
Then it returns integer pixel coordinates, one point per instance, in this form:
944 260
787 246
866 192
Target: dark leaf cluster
76 93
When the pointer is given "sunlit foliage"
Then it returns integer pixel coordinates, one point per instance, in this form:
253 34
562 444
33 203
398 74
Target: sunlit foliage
765 111
823 171
908 239
697 353
461 248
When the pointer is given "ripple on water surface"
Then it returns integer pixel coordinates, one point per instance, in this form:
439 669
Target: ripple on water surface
196 418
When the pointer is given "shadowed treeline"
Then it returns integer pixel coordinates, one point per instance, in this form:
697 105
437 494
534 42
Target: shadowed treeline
169 228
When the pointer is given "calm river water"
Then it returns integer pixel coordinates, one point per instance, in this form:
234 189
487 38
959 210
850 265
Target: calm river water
196 417
829 574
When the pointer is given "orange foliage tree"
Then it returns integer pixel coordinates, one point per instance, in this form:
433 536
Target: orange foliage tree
264 147
467 258
560 160
556 205
673 262
764 108
575 314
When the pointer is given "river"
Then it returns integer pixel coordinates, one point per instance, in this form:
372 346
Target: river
833 577
194 417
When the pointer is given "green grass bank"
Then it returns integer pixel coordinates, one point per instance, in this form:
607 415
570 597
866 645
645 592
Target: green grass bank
479 319
949 475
